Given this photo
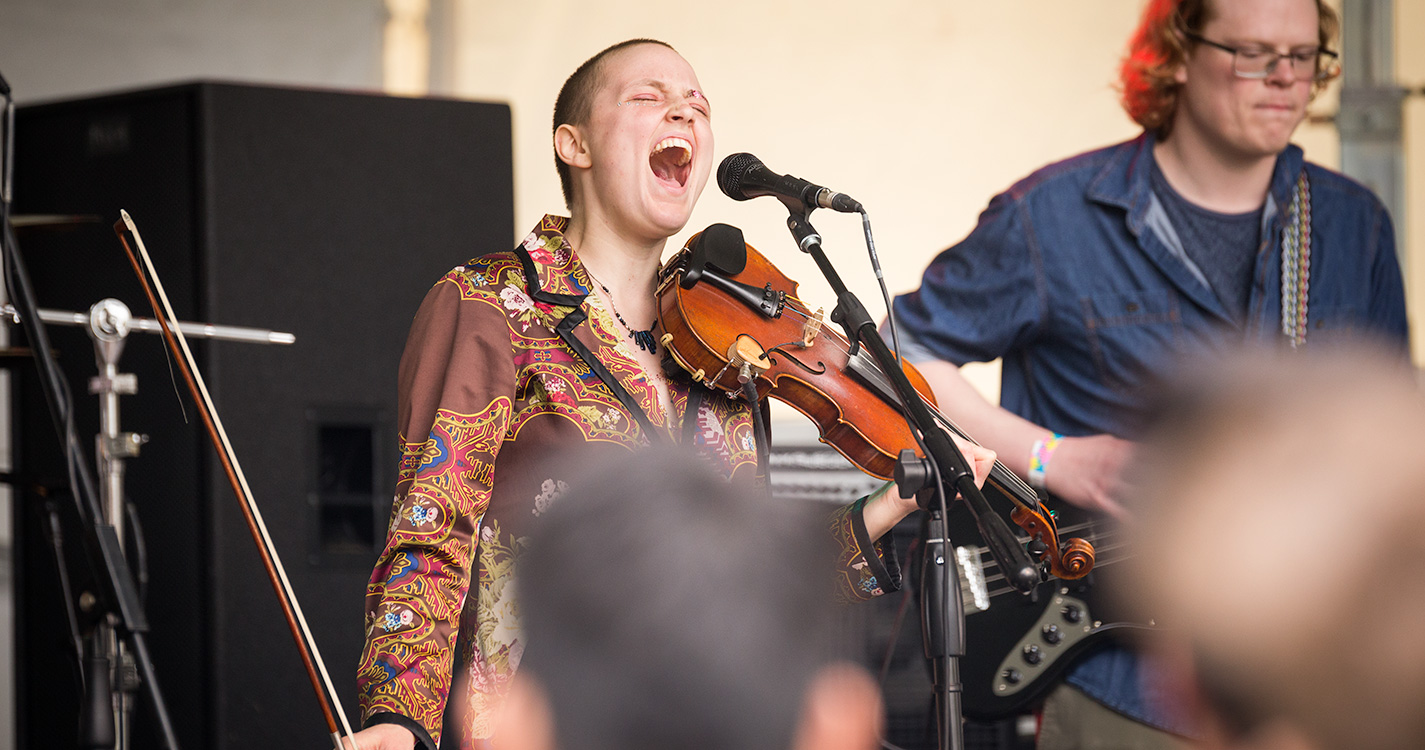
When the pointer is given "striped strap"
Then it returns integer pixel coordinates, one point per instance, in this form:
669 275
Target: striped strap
1296 263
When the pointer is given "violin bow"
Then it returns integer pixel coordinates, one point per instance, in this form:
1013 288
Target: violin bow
276 574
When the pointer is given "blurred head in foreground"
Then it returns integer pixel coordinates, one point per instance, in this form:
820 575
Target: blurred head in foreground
667 608
1282 546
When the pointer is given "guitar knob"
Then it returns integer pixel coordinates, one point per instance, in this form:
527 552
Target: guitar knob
1052 636
1032 655
1072 614
1012 676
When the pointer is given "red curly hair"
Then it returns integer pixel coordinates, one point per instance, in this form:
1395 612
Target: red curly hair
1148 91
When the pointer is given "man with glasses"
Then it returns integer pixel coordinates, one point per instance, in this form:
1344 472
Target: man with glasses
1093 275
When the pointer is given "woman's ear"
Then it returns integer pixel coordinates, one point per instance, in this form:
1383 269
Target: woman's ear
571 147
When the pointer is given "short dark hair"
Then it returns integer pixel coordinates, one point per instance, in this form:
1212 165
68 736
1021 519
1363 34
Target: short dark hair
665 607
574 103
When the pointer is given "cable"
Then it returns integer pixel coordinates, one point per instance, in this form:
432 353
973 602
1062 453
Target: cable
881 280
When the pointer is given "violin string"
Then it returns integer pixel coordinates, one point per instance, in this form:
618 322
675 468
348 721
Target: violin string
237 470
839 343
796 306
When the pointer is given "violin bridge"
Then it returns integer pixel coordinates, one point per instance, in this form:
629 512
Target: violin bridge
811 328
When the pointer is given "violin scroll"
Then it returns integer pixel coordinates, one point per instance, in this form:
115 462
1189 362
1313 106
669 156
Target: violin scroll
1070 559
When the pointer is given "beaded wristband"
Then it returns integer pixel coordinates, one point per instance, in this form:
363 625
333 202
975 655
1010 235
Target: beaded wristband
1039 458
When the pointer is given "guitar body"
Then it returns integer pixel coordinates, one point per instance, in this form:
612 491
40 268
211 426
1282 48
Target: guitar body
1023 644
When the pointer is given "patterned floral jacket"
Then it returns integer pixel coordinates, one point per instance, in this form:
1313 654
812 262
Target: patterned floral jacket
496 383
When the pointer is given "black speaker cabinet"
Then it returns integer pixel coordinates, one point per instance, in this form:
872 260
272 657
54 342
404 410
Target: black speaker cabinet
323 214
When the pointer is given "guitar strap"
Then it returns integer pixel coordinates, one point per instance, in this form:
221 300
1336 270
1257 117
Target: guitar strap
1296 263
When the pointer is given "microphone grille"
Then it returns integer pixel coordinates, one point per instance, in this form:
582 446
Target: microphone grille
732 171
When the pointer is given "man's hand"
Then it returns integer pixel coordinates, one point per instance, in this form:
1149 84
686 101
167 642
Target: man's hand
381 737
1088 472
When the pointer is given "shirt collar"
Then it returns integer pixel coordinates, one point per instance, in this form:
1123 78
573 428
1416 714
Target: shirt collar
553 271
1125 180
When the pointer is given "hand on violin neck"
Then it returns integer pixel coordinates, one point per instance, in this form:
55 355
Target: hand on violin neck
982 459
1088 472
886 507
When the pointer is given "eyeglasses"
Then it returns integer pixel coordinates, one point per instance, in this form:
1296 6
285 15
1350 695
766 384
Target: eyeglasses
1314 64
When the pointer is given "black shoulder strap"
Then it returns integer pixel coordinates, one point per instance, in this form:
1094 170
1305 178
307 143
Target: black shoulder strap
565 329
696 393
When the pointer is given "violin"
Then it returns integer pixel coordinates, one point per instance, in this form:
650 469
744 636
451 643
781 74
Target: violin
731 318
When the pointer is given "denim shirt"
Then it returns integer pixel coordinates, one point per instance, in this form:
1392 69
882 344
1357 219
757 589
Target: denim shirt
1076 278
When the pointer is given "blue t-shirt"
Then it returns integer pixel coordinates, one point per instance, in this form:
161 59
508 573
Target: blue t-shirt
1223 245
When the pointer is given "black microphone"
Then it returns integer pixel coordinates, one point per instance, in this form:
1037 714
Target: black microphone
744 176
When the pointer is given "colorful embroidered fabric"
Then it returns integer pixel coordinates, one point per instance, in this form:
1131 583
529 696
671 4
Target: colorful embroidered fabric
495 411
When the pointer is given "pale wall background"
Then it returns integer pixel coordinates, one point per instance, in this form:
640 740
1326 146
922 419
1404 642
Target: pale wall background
921 110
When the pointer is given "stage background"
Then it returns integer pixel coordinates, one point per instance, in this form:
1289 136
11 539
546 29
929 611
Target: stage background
922 109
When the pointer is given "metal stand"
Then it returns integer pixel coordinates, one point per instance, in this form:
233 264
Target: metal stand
942 473
113 674
109 327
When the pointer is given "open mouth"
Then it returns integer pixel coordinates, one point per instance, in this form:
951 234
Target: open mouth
672 160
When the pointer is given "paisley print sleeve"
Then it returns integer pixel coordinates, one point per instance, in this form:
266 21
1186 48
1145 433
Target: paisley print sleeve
865 569
456 388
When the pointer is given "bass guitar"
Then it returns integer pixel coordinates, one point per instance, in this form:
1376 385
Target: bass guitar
1018 646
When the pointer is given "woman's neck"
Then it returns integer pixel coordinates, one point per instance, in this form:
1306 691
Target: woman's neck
627 268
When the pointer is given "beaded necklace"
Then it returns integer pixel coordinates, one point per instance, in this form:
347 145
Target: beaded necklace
644 338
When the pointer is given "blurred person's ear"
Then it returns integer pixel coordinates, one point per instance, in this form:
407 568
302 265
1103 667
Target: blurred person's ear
525 720
842 711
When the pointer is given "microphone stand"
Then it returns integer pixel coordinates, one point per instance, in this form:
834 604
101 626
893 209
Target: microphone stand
944 470
117 601
111 676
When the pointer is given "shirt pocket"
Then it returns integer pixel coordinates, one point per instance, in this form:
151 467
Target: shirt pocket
1132 334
